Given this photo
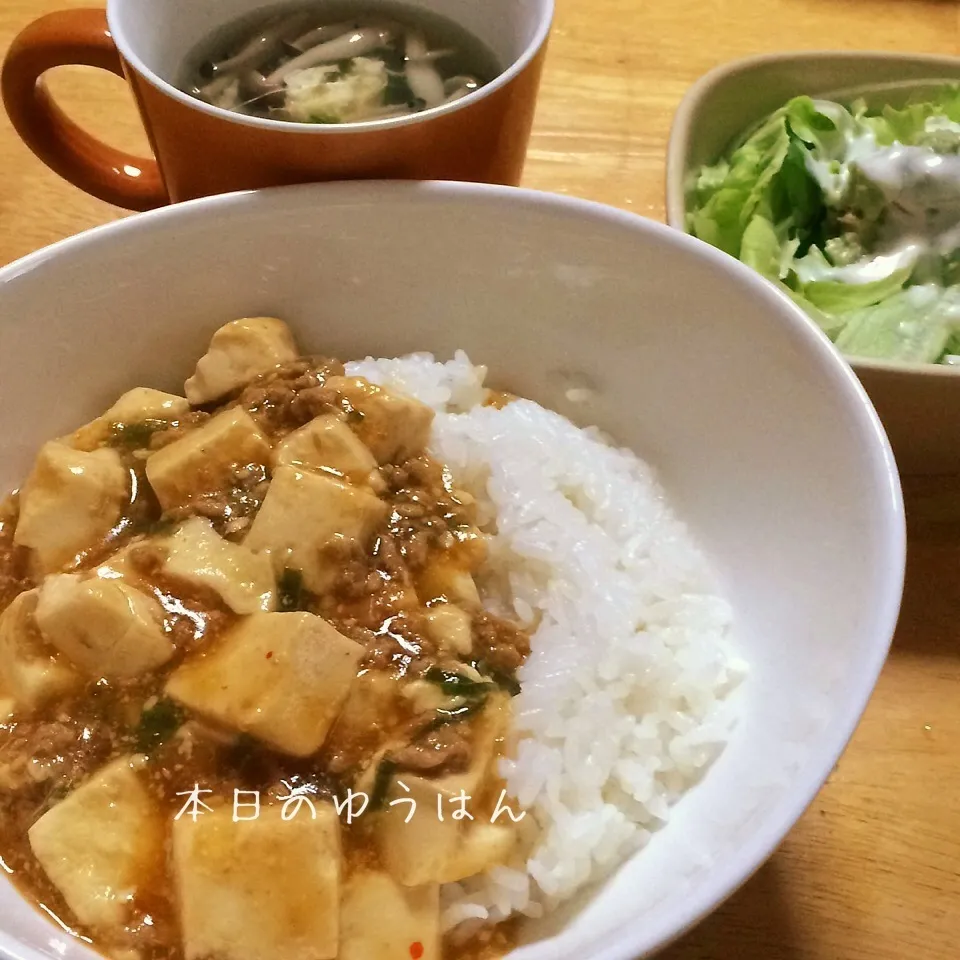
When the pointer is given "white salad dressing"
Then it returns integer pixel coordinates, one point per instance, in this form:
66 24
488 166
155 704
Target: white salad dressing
921 188
941 124
867 270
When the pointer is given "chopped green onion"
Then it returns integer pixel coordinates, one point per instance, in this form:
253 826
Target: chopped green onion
381 783
135 436
455 684
291 594
157 725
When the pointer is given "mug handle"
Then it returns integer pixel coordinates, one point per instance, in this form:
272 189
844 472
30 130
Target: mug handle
60 39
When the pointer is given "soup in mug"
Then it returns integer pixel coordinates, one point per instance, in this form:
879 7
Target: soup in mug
335 63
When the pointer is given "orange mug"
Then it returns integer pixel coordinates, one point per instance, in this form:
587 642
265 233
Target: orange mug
201 149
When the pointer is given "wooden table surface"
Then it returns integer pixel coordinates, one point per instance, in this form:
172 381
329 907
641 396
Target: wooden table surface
872 872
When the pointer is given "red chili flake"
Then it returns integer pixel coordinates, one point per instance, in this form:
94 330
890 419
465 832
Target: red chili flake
269 654
416 950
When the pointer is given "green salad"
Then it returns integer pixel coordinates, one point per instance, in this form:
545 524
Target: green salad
855 212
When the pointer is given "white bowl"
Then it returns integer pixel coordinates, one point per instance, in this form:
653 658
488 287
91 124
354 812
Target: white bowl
765 439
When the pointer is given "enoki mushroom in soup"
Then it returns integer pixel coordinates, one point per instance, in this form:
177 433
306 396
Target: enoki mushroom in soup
338 63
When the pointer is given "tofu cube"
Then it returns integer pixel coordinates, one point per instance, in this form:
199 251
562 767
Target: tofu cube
450 628
106 628
442 580
239 352
30 674
280 677
68 504
259 889
482 846
429 850
121 565
197 554
144 403
393 427
100 844
422 850
327 444
360 729
304 513
204 460
380 919
135 406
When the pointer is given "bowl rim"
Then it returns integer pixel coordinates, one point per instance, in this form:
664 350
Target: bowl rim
682 134
635 938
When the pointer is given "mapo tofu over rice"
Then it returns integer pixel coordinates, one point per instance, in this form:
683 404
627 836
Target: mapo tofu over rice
286 661
265 587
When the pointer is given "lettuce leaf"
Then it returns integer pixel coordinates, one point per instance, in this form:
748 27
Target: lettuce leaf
761 248
914 325
822 125
900 126
767 175
728 195
796 199
907 124
836 296
830 324
765 252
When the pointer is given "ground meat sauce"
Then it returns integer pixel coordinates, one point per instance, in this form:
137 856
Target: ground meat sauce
231 509
502 645
445 750
428 517
293 395
380 598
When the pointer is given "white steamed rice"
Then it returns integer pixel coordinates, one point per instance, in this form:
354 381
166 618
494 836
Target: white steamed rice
624 700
